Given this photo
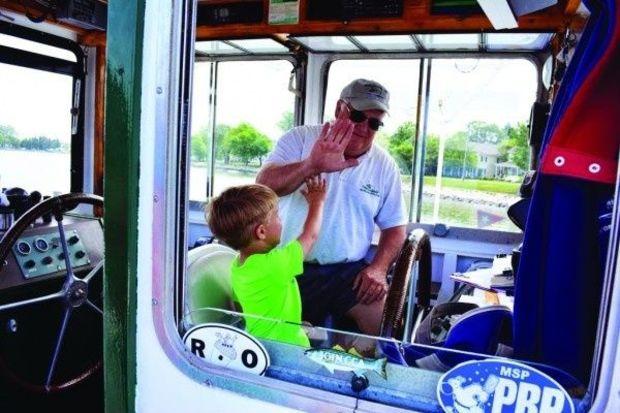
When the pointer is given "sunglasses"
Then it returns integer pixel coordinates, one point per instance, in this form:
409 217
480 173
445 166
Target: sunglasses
357 116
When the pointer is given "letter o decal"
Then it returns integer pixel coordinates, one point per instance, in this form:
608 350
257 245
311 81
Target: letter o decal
248 354
249 358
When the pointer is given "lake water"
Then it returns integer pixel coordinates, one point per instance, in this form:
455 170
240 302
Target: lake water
46 172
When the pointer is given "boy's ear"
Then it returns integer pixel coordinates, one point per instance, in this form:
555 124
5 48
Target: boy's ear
260 232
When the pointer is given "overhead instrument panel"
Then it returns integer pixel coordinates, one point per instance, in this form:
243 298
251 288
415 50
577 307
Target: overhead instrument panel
353 9
230 12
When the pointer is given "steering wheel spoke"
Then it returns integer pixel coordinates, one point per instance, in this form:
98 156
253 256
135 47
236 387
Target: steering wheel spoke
93 272
35 300
94 307
65 248
61 336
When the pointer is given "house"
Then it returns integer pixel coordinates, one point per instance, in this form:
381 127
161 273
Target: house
487 158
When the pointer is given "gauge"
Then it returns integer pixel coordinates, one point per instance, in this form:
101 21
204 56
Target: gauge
23 248
41 244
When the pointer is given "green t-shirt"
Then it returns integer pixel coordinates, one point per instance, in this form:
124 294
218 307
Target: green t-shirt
265 286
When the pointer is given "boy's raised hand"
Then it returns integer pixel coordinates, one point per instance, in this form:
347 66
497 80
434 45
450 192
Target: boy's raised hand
315 193
316 190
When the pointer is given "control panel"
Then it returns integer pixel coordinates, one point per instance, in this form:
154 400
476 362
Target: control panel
40 255
232 12
353 9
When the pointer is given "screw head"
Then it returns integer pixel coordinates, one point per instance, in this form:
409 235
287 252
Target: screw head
11 325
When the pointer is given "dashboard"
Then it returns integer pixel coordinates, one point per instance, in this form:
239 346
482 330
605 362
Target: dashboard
38 255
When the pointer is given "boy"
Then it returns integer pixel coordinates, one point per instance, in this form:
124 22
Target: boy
263 276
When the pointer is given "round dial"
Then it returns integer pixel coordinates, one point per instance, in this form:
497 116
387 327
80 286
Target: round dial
41 244
23 248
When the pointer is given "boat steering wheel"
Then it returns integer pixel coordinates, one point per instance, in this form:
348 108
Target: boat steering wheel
416 249
73 297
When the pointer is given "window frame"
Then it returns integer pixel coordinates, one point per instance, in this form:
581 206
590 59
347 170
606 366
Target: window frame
76 70
298 65
166 246
424 89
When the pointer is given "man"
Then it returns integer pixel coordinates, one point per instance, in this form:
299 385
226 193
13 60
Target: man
364 189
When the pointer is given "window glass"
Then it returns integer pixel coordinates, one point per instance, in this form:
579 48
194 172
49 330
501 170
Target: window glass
477 131
515 41
379 43
260 46
400 77
35 47
253 104
216 48
201 135
449 41
35 129
246 128
328 43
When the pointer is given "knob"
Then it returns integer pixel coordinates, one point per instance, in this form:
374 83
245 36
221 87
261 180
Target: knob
61 256
30 264
74 239
80 254
359 383
23 248
47 260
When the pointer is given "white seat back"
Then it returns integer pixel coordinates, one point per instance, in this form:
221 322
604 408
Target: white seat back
207 283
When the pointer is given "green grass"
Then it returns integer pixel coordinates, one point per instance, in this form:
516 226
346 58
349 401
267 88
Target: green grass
503 187
476 184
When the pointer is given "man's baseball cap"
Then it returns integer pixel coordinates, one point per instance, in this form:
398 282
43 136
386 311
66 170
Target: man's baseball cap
365 94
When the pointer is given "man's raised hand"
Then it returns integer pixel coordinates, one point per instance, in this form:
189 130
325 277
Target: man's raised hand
327 154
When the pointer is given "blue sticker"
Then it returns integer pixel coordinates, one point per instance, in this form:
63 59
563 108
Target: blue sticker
500 386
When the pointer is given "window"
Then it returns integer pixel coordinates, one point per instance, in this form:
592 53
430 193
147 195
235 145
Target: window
35 122
400 77
253 108
476 109
477 143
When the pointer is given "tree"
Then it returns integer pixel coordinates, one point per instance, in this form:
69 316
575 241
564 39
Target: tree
287 121
457 153
482 132
40 143
201 148
431 154
221 130
516 147
8 138
247 143
400 146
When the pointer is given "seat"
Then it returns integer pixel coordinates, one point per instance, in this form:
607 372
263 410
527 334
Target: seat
208 286
478 330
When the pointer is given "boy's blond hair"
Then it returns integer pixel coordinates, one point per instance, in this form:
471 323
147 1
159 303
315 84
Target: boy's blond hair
233 215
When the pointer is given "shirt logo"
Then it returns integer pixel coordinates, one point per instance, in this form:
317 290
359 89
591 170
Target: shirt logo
369 189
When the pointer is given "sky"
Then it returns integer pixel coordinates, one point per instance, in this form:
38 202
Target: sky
490 90
37 103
